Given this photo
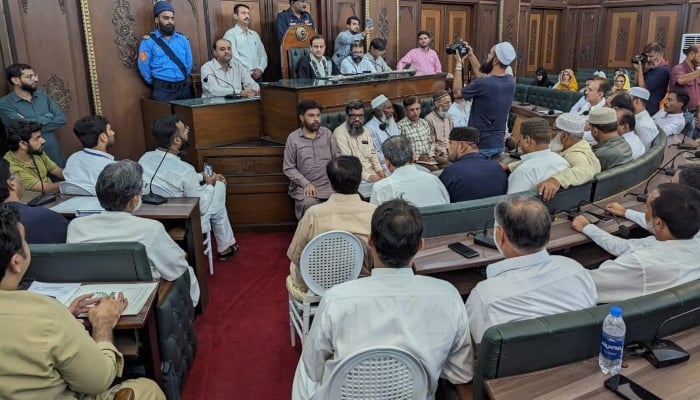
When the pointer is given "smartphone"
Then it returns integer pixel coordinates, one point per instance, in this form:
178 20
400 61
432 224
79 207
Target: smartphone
627 389
208 169
369 22
463 250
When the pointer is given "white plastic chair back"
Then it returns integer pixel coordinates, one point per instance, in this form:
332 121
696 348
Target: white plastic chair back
71 188
330 258
379 372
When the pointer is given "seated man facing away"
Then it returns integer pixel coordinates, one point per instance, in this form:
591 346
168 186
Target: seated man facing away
41 224
353 139
625 128
538 161
668 258
118 189
344 210
306 153
27 158
688 174
46 353
407 181
568 131
176 178
611 149
530 282
471 176
393 307
382 126
96 135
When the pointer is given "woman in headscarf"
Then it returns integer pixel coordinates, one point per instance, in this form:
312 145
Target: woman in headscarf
541 79
567 81
621 83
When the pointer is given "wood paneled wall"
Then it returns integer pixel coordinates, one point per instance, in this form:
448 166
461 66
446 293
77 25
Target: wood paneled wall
99 74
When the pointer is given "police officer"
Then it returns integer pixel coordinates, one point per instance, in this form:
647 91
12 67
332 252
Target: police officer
165 57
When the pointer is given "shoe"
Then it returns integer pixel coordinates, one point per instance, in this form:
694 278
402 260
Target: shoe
229 253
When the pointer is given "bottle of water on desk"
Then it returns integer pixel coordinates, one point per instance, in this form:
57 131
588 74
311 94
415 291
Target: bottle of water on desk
612 343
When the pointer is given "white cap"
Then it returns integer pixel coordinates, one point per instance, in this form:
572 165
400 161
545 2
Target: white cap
378 101
505 53
571 123
639 92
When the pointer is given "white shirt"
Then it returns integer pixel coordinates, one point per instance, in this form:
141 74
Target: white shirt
640 219
379 63
536 167
642 266
393 307
645 128
380 135
247 48
220 82
635 143
672 124
166 258
413 185
459 112
580 106
84 166
176 177
527 287
348 66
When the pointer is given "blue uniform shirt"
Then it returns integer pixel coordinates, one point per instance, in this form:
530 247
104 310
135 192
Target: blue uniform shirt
155 64
286 18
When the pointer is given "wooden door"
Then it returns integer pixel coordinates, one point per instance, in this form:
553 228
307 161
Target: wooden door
542 43
447 23
623 37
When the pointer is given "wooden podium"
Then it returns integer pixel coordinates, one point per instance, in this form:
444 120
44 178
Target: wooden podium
296 36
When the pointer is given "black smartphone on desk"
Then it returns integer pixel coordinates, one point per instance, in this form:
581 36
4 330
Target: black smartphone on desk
463 250
627 389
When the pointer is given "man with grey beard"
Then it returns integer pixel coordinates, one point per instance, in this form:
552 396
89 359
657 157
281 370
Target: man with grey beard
382 126
353 139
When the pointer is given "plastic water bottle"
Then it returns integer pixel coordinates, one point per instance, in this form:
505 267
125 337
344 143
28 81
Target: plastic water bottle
612 343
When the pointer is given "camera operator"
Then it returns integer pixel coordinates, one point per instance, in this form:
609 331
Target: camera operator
652 72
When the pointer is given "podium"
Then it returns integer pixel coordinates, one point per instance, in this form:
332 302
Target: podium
297 36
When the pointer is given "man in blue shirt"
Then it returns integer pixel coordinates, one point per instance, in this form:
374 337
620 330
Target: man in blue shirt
471 176
294 15
25 102
41 224
166 74
655 76
491 97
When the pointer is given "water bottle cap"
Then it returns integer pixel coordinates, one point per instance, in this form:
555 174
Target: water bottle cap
616 311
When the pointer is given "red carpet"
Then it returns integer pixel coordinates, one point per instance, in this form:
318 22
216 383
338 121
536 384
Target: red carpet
243 342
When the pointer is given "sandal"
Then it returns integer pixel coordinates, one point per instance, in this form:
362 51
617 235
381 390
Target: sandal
229 253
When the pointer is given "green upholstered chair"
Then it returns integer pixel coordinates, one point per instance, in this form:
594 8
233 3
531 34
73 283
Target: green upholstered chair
521 92
332 120
458 217
294 55
426 106
520 347
524 81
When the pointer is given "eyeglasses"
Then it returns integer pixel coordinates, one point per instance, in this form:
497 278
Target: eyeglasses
356 116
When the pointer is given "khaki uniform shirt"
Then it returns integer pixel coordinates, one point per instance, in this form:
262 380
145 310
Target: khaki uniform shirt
360 146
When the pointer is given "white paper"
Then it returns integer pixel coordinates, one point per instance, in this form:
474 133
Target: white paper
59 291
78 203
135 293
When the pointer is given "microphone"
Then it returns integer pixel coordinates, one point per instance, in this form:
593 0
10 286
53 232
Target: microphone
43 198
622 230
231 96
663 352
484 239
642 197
152 198
585 113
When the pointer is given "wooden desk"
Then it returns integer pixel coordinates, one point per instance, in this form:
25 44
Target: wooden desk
583 379
185 209
523 112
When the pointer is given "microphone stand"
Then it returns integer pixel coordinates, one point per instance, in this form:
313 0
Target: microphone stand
43 198
152 198
642 197
231 96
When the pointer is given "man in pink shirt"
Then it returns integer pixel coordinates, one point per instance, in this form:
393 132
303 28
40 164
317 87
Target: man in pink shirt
423 59
686 76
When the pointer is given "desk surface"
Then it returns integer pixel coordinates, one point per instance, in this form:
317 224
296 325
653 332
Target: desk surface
583 379
137 321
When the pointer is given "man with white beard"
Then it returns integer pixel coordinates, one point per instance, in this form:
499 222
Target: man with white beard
382 126
568 138
441 122
353 139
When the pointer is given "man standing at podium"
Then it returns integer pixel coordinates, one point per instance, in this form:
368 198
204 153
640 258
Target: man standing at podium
165 57
295 15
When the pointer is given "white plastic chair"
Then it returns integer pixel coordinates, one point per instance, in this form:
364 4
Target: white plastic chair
328 259
66 187
206 222
379 372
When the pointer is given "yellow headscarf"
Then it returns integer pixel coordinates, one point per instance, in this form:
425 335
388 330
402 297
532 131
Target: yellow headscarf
573 84
625 86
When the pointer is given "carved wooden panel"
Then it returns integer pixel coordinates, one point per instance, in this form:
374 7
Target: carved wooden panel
550 33
457 24
383 12
431 16
622 37
46 35
339 13
660 24
486 28
570 30
693 24
534 40
408 16
586 40
521 47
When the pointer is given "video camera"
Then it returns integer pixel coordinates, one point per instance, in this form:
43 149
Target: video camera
458 46
640 58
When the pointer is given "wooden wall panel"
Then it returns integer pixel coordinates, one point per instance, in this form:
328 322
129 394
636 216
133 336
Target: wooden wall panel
523 35
409 18
660 24
223 17
622 37
383 12
550 37
486 16
693 24
339 12
431 16
570 30
46 36
586 39
534 40
458 22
